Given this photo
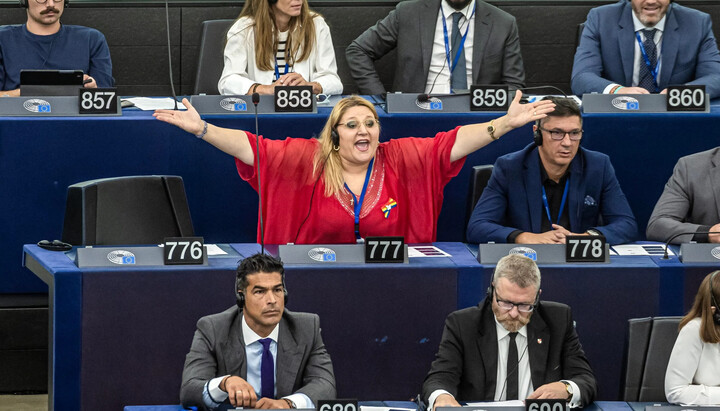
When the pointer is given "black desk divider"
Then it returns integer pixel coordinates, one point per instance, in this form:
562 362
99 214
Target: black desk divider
50 106
237 105
700 253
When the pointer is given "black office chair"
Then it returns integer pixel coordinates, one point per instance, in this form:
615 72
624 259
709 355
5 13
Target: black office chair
210 60
648 346
126 210
578 34
478 181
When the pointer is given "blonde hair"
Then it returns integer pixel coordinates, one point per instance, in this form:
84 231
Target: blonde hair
327 158
301 33
709 331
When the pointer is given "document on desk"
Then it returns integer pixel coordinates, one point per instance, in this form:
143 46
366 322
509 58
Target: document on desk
641 249
511 403
426 251
154 103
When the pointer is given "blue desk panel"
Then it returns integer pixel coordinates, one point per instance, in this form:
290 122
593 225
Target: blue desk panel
118 331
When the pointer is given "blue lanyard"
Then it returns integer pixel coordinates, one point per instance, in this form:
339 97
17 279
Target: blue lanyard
452 65
359 202
562 203
277 71
653 70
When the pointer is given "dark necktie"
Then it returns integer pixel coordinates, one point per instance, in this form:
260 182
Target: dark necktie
267 371
512 369
458 77
646 78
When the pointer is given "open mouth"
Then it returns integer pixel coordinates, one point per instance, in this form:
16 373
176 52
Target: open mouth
362 145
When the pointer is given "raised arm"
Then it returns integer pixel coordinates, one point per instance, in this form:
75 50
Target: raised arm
475 136
233 142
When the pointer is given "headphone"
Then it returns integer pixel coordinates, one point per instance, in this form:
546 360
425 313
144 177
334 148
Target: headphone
491 291
240 296
271 2
24 3
713 303
334 136
537 134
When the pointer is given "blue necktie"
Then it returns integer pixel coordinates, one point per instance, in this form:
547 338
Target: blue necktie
267 371
458 77
646 79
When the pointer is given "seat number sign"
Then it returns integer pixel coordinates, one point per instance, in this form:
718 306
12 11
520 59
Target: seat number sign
686 98
98 101
183 250
384 249
489 98
585 248
293 99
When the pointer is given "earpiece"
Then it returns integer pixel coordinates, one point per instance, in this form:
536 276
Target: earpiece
713 303
335 138
537 134
54 245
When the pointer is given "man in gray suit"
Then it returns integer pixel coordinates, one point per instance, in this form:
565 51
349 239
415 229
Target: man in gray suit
433 38
258 355
690 202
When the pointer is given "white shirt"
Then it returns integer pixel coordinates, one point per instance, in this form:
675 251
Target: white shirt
240 71
253 356
438 60
693 372
525 385
638 59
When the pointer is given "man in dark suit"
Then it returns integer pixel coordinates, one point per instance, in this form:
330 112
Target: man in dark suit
258 355
642 46
690 202
428 34
553 188
510 347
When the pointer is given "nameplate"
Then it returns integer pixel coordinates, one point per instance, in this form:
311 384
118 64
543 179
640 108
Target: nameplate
51 106
121 256
629 103
700 253
540 253
328 254
238 105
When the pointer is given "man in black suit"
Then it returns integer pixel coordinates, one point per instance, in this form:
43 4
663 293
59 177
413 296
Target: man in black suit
511 346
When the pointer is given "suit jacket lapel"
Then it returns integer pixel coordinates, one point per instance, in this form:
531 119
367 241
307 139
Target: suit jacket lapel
488 347
626 43
289 356
427 21
576 196
538 346
715 179
669 50
533 189
235 362
483 27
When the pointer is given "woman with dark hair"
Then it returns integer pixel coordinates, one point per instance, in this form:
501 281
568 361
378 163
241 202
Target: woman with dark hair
279 42
693 373
346 185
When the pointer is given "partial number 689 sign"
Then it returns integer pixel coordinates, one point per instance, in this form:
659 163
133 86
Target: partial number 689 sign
337 405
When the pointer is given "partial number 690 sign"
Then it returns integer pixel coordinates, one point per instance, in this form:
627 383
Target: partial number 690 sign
337 405
183 250
293 99
98 101
489 98
581 248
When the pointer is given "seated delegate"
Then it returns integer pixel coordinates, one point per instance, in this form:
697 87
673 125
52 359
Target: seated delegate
553 188
643 46
345 185
693 372
690 202
42 43
279 42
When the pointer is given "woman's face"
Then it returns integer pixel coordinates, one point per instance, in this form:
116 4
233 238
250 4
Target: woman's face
359 133
287 8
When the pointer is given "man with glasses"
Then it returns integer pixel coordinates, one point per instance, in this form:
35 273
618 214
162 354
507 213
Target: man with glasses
43 43
551 189
512 346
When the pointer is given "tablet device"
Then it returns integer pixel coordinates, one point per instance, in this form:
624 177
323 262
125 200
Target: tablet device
50 82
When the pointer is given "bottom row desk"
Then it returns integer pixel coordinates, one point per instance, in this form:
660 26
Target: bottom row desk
119 335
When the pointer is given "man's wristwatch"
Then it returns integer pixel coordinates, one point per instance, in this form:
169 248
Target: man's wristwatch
569 390
290 403
594 232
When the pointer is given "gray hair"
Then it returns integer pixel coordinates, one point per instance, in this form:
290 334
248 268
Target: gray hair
519 270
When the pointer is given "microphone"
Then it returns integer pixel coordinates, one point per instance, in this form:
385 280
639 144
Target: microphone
167 28
255 101
667 244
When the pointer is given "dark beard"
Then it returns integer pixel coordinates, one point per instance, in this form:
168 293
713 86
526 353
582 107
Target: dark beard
458 4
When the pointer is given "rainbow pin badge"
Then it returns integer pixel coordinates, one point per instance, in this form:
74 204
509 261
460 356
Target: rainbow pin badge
388 206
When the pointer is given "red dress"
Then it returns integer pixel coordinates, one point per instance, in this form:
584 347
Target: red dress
408 172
